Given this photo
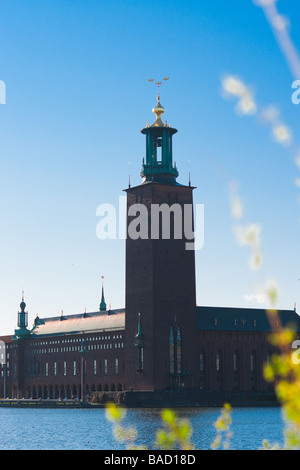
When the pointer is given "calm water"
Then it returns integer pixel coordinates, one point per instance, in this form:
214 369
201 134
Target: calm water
85 429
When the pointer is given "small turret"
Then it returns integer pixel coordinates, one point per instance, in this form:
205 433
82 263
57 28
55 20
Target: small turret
22 321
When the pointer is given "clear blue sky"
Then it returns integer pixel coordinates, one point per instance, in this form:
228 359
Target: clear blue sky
77 96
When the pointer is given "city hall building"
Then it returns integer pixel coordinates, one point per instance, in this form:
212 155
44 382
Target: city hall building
161 348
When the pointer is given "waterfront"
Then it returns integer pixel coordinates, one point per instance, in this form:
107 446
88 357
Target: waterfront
88 429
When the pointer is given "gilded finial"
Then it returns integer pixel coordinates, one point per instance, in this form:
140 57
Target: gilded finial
158 110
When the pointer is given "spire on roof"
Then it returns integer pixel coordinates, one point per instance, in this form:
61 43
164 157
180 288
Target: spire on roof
22 330
102 303
22 304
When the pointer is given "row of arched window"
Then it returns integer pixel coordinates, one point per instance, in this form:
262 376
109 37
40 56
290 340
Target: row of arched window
235 368
235 361
175 361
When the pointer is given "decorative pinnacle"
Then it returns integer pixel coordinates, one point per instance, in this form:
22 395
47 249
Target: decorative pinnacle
22 304
102 303
139 336
158 84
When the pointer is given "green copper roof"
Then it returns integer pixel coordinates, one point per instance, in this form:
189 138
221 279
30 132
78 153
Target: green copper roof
102 303
241 319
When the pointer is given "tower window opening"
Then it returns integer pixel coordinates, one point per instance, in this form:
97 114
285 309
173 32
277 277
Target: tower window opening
158 145
141 359
159 154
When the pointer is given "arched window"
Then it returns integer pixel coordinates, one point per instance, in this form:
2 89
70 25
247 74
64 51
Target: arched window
253 370
141 359
219 370
236 368
179 351
175 351
202 361
218 361
235 361
252 362
171 353
202 370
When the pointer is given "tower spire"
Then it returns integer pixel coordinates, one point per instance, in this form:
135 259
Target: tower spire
102 303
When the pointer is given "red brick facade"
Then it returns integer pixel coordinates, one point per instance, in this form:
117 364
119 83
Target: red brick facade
51 367
160 285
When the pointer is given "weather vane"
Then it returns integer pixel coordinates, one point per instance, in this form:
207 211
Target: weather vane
158 84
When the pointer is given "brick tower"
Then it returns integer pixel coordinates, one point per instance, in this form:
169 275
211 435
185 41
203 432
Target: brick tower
160 272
